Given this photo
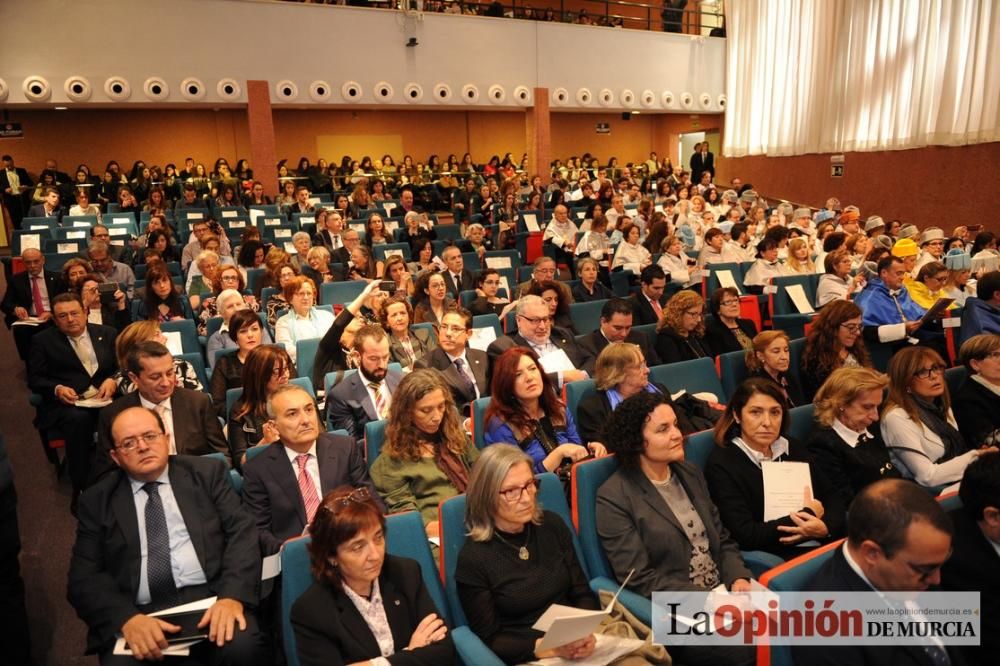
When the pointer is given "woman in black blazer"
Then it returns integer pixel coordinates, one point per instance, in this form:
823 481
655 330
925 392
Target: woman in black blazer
680 332
656 518
848 444
771 360
977 401
751 432
726 331
338 620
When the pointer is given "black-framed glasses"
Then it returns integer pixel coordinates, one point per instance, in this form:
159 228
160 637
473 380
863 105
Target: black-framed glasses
853 328
535 321
514 494
926 373
149 438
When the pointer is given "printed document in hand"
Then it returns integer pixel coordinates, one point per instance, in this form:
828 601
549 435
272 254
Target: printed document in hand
565 624
556 361
787 485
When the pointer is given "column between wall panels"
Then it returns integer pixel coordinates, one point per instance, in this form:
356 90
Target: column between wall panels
260 122
538 132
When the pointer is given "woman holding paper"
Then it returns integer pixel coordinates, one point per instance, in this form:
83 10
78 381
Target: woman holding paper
526 411
770 359
762 517
932 279
517 561
848 444
655 517
918 425
365 607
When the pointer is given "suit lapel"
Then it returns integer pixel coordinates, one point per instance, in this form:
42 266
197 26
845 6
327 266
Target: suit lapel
186 493
395 611
653 499
123 508
99 342
70 353
479 369
284 476
326 458
355 625
361 391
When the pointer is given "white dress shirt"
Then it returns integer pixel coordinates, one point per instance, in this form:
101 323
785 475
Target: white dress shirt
167 416
312 466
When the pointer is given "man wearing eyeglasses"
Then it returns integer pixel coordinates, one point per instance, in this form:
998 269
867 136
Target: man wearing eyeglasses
162 531
119 253
543 270
898 538
284 485
466 370
190 419
535 330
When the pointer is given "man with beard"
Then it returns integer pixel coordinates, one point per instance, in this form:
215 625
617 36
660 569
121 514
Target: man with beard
366 395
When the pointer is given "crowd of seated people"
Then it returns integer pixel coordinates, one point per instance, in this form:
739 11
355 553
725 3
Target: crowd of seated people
95 335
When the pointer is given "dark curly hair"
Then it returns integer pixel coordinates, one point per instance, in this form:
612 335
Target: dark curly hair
822 353
623 432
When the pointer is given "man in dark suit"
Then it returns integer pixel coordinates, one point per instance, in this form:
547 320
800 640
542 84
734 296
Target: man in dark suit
301 204
195 541
30 294
456 278
284 485
898 538
189 417
648 303
331 236
15 186
342 255
535 331
365 395
616 326
466 370
49 206
73 361
702 160
975 562
543 270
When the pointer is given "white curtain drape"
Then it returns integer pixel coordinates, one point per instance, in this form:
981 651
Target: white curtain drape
807 76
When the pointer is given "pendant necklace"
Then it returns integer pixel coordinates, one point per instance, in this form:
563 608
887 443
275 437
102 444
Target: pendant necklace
522 551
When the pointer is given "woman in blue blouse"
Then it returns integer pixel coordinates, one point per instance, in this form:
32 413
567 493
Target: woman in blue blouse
525 411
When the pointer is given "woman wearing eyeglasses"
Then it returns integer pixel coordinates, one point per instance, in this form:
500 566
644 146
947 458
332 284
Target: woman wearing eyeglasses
834 341
266 368
918 425
227 277
488 282
727 331
517 561
848 444
427 456
680 331
434 300
365 606
526 411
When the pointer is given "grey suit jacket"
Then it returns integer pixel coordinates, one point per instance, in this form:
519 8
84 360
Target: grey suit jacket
420 339
639 530
479 363
271 488
349 406
558 337
196 427
104 569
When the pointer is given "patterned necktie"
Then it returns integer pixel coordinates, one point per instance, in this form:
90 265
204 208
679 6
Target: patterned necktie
310 498
36 296
381 408
335 241
463 372
159 572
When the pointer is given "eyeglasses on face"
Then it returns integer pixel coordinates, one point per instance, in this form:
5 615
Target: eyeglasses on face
535 321
514 494
280 370
926 373
149 438
730 302
853 328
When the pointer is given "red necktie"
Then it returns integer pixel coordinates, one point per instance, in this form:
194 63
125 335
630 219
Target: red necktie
308 489
657 308
36 296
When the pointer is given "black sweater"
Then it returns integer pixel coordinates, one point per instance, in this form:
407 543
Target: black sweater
849 469
503 595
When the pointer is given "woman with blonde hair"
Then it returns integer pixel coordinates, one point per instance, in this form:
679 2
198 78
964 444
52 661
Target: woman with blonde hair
848 444
977 401
800 256
144 331
681 330
427 455
918 425
770 359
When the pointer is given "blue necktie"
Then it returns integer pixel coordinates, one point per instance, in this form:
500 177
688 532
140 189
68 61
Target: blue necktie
159 572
